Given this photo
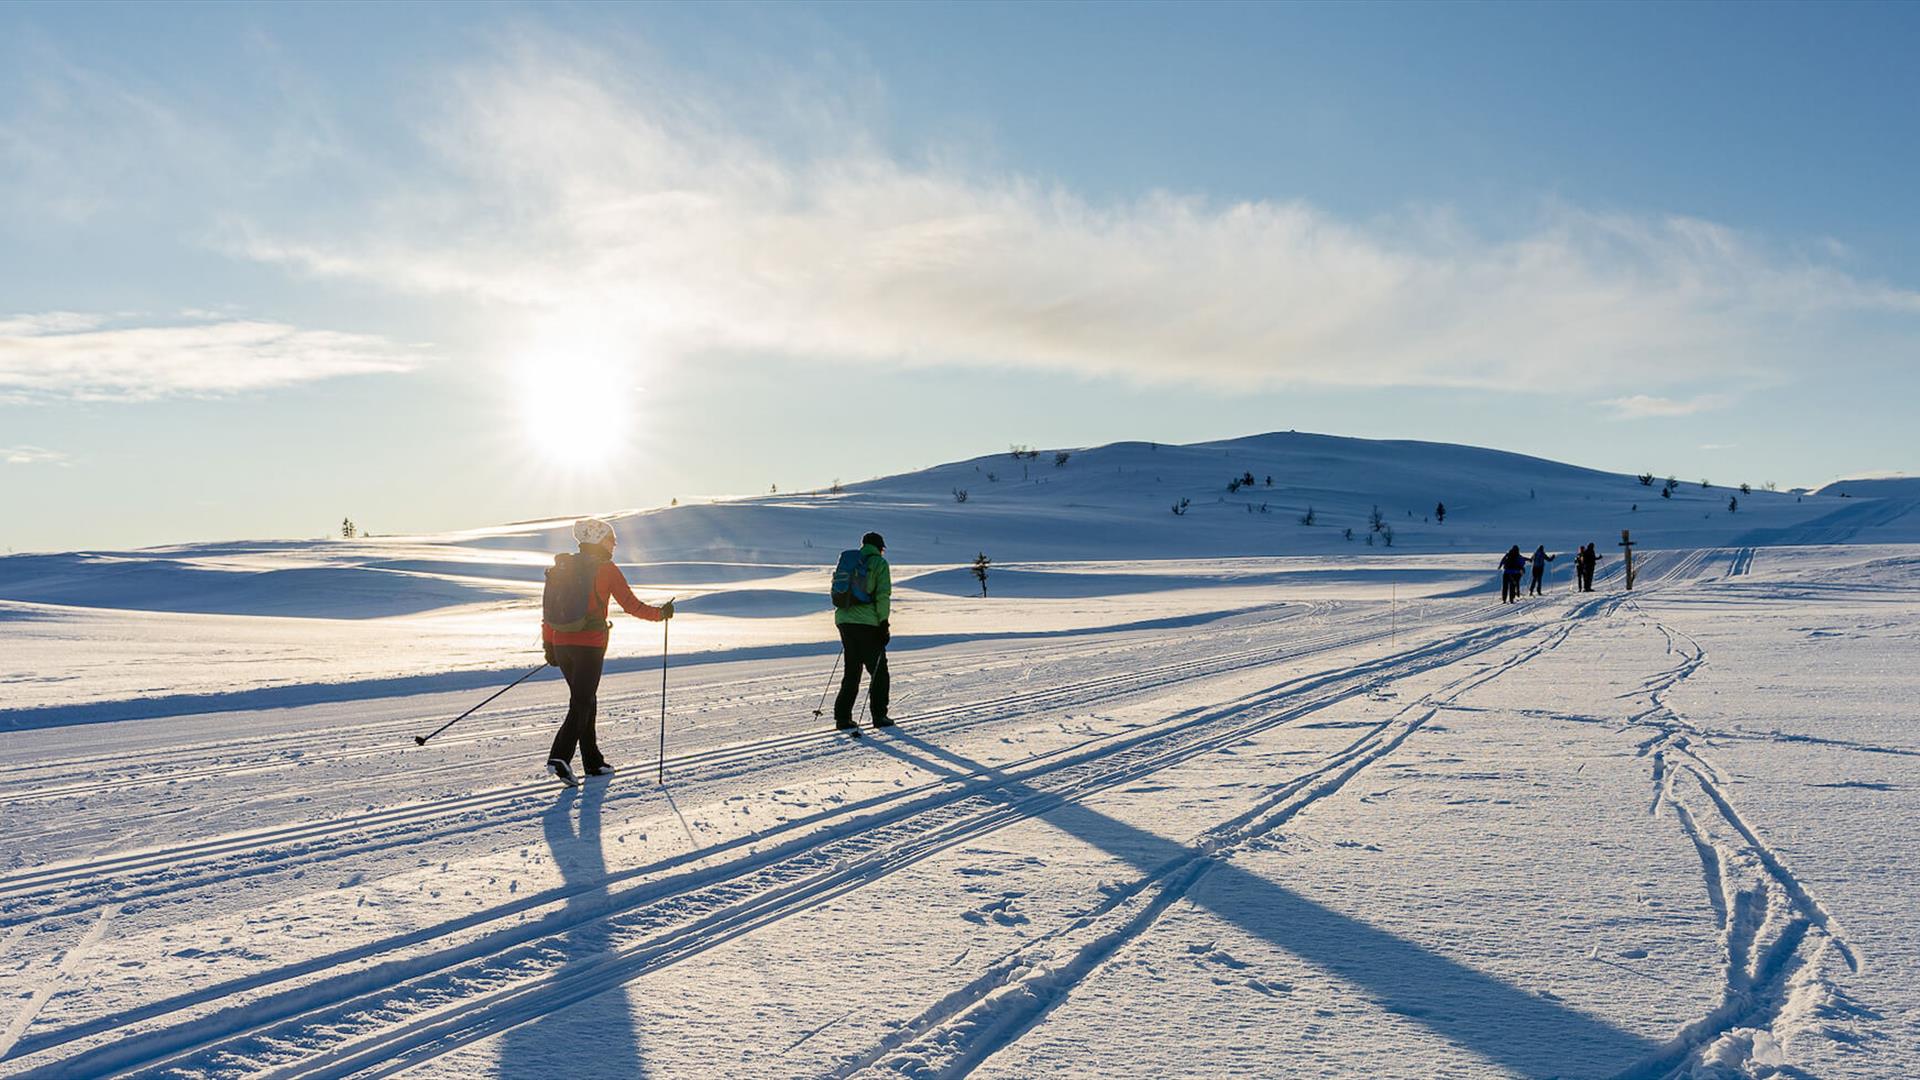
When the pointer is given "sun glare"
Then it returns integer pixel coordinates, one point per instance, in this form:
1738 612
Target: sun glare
575 402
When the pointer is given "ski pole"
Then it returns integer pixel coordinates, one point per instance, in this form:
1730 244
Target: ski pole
820 709
421 740
664 624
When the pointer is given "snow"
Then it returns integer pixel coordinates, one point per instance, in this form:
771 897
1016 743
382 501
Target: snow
1217 794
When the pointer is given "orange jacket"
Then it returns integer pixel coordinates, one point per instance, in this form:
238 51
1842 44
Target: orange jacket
608 584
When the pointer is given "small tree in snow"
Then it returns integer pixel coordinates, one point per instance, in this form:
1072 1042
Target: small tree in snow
1180 508
1269 481
835 488
1646 479
1233 485
348 530
1307 518
1061 457
1440 513
1733 505
1376 520
1386 534
1349 534
980 564
959 495
1706 485
1746 489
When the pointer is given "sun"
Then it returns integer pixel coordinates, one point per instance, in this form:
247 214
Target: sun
574 398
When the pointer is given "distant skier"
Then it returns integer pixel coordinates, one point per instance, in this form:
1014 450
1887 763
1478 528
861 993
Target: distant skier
1583 564
574 628
864 632
1512 565
1540 561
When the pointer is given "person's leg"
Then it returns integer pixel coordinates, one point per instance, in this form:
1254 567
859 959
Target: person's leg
586 691
850 681
569 734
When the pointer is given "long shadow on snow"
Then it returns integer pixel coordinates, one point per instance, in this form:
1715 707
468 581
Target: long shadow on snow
599 1036
288 697
1501 1022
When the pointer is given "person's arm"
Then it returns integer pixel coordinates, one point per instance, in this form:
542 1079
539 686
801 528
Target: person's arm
882 588
614 584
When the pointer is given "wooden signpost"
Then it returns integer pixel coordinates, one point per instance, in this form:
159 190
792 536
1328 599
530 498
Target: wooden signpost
1626 541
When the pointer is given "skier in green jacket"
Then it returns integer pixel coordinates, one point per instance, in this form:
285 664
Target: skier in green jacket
863 637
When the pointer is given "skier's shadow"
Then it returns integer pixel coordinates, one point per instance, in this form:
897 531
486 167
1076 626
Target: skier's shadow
598 1037
1516 1028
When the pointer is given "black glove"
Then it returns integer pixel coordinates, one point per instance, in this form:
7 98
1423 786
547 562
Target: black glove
886 633
547 648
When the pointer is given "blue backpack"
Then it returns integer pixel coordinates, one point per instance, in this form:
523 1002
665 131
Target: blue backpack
850 580
567 602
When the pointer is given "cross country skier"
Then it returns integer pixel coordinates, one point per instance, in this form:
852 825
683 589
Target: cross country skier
574 630
1511 564
1583 564
864 635
1540 561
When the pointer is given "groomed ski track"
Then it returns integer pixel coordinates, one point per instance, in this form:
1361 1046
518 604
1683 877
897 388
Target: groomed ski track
404 1002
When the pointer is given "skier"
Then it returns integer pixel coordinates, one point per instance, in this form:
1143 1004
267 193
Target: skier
1583 564
574 627
863 638
1511 565
1540 561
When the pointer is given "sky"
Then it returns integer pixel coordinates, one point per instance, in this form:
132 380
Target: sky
442 266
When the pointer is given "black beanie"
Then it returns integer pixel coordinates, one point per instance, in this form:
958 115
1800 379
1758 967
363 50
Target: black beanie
876 540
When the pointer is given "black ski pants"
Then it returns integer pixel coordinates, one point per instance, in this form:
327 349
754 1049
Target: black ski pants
1509 588
1535 589
865 647
581 664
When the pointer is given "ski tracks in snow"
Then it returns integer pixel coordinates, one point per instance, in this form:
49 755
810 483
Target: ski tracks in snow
380 1018
1778 938
967 1027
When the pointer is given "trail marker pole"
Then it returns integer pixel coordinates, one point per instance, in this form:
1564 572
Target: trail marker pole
1627 542
1393 608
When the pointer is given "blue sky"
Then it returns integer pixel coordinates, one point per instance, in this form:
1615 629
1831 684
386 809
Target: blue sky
437 266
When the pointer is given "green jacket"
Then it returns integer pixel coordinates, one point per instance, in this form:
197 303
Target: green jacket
879 586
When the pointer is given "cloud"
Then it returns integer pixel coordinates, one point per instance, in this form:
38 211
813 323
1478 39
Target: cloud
96 358
31 455
1645 406
575 190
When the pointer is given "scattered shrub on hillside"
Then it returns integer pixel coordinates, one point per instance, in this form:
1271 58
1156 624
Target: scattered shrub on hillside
1646 479
1746 489
1706 485
1307 518
980 564
1733 505
959 495
1180 507
1022 452
1233 485
1369 539
1386 534
348 530
993 478
1440 513
1769 486
1060 457
1349 534
1269 481
835 488
1376 520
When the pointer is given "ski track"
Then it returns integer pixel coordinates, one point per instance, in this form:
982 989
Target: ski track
391 1016
1775 934
966 1028
357 1013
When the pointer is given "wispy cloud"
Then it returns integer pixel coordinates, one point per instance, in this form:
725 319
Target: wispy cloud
577 189
1645 406
93 357
31 455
